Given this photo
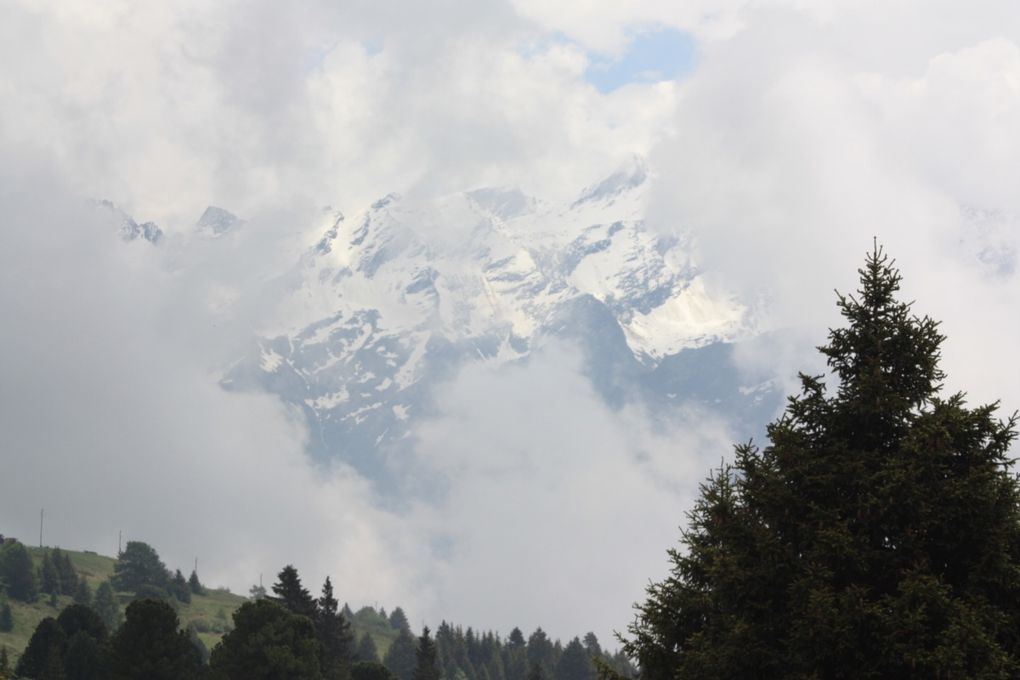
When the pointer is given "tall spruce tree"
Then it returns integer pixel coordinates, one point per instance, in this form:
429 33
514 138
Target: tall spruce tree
400 658
107 606
334 634
6 617
292 595
367 650
426 666
877 535
17 572
151 646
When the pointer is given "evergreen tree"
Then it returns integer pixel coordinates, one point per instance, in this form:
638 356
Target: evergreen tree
401 658
196 642
5 663
83 594
575 663
47 642
17 572
83 657
592 646
268 643
137 566
877 535
398 620
6 617
540 652
366 649
107 606
292 595
536 672
49 579
78 618
370 670
334 633
516 656
425 658
256 593
196 586
66 575
179 588
150 646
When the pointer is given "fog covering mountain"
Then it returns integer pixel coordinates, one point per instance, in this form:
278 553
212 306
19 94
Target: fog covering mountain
382 307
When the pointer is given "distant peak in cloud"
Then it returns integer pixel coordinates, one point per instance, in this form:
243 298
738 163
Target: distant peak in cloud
630 175
131 230
216 221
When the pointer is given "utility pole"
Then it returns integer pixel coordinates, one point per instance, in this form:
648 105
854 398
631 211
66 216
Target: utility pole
120 537
41 511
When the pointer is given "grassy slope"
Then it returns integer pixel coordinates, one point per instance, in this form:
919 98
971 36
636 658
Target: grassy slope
211 613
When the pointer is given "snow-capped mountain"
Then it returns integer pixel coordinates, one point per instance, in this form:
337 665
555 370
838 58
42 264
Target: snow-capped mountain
385 305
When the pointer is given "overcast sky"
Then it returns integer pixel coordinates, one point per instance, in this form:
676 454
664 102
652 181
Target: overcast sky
784 134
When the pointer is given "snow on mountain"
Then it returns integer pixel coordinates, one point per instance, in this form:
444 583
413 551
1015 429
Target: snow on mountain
131 230
387 304
216 222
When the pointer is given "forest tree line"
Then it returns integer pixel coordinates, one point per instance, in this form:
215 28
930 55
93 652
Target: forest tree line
286 632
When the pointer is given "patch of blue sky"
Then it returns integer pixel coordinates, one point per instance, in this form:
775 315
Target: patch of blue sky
651 56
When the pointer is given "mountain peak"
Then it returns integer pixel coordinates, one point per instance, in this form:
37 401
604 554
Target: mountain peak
216 221
632 175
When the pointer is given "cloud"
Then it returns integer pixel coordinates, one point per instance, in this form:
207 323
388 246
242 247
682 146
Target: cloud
557 506
795 146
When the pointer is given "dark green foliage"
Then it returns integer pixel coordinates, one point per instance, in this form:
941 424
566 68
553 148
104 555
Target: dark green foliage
592 646
398 620
84 658
197 643
575 663
78 618
17 572
535 672
195 585
107 606
83 594
47 642
49 579
6 617
334 633
401 658
268 643
292 595
5 663
137 566
876 536
69 647
256 593
149 645
541 652
178 587
370 670
425 667
67 577
366 649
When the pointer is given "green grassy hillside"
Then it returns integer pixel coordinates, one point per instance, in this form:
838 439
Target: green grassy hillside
209 613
